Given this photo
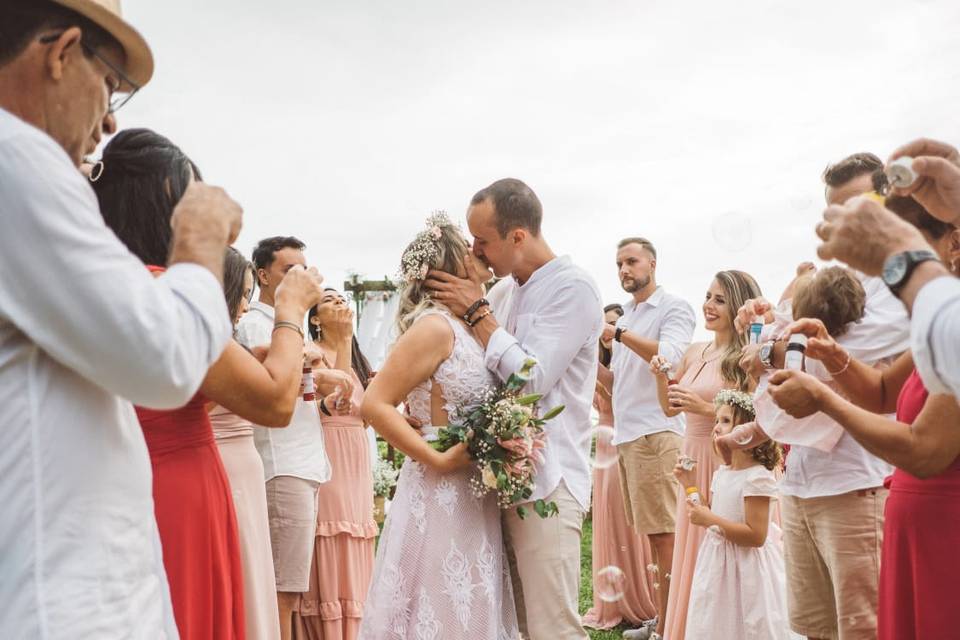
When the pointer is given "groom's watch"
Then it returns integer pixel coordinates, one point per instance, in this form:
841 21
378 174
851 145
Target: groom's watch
618 334
898 268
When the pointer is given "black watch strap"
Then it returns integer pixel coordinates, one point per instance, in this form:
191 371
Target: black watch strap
898 268
618 334
482 302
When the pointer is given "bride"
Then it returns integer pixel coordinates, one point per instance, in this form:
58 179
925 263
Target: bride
441 570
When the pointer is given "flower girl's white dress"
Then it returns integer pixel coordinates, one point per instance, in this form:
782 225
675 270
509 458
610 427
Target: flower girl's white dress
441 570
738 592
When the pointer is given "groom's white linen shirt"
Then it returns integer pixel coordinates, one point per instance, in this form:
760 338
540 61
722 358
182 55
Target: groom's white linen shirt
669 320
556 317
298 449
935 335
84 330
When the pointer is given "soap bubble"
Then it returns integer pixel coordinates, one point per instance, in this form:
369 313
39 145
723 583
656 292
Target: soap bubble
732 231
605 453
610 583
742 435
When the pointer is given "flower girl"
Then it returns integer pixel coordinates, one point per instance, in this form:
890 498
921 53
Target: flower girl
739 588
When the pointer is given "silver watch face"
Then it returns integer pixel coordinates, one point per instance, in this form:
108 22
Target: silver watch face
765 354
894 269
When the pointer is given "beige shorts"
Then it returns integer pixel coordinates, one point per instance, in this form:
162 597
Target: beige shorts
832 546
292 511
647 482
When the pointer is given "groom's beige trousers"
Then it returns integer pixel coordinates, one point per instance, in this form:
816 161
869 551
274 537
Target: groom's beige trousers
545 566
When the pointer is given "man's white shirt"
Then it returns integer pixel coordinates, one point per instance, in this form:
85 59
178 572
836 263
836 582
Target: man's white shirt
295 450
84 331
669 320
556 317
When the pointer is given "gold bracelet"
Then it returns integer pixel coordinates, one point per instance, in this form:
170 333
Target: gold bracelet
283 324
843 368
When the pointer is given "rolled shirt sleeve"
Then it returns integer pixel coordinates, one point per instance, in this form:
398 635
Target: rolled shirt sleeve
72 287
935 335
676 332
554 341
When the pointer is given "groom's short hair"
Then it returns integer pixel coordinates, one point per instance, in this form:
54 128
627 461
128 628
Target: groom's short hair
514 204
643 242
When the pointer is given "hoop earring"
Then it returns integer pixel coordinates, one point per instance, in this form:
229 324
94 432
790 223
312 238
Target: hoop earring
96 171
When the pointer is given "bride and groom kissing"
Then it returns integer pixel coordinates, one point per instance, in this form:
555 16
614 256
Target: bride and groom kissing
450 564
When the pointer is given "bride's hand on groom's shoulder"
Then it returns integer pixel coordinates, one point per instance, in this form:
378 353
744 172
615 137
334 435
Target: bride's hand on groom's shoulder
453 459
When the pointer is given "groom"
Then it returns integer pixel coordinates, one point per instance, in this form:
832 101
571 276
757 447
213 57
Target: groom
550 310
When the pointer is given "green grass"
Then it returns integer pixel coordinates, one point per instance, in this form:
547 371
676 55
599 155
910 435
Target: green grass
586 583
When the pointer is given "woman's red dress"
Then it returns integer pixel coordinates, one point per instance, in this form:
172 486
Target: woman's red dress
197 523
921 545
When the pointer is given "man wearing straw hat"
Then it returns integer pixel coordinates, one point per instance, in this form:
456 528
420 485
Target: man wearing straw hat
84 331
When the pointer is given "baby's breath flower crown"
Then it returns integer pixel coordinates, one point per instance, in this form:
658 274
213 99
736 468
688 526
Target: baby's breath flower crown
734 398
415 262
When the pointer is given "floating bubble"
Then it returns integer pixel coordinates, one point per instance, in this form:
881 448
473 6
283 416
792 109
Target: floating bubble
610 583
604 453
742 435
732 231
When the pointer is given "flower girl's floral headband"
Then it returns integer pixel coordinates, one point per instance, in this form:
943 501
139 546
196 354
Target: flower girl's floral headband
416 260
737 399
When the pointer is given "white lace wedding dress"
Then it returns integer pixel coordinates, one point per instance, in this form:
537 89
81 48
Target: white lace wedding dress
441 570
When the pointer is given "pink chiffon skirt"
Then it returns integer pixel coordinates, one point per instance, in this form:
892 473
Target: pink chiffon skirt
615 543
346 536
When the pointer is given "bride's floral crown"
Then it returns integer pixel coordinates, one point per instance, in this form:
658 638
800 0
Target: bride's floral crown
425 248
734 398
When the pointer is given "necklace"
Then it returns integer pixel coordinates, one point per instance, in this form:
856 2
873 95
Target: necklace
703 354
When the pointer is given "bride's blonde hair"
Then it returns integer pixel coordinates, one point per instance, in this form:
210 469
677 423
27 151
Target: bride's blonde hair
441 247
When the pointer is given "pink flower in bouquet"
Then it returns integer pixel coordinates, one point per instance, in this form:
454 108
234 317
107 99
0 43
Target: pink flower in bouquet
539 444
519 447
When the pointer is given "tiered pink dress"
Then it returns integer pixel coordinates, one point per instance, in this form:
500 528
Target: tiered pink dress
346 534
616 544
704 378
234 437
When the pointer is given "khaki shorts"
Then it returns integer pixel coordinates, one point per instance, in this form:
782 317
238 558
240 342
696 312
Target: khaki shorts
832 546
647 482
292 511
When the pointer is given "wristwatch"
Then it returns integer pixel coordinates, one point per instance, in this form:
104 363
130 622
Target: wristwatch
766 354
898 267
618 333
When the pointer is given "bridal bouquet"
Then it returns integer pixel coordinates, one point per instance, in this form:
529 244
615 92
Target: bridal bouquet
505 436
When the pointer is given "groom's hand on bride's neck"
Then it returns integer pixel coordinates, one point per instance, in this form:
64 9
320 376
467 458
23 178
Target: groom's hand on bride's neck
457 294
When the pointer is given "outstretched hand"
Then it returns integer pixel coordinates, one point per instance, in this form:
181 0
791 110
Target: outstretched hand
751 309
457 294
797 393
937 188
863 234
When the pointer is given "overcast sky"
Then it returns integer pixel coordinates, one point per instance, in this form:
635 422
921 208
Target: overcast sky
702 126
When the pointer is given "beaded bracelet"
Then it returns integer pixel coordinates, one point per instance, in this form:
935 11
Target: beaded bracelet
473 323
842 369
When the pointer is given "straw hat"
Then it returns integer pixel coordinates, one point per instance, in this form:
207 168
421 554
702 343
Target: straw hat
106 14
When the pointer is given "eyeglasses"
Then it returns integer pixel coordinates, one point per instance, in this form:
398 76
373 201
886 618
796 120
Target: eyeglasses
120 86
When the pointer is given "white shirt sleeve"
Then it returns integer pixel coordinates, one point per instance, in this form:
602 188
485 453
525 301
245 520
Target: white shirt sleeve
72 287
558 333
676 331
935 335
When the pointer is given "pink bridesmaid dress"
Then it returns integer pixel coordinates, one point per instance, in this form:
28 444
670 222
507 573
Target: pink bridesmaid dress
703 378
616 544
346 534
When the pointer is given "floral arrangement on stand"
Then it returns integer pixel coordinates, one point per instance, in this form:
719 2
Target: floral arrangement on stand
384 480
505 436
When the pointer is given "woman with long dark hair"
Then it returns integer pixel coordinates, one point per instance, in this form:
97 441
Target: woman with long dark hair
142 177
346 531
